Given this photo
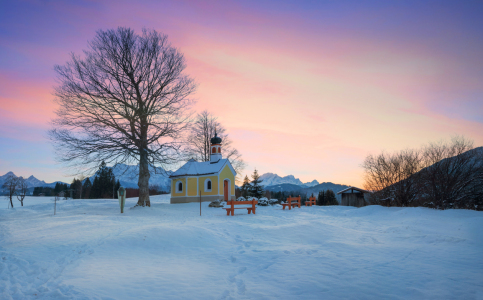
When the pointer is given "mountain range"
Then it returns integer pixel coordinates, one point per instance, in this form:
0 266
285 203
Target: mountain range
308 191
128 177
31 181
270 179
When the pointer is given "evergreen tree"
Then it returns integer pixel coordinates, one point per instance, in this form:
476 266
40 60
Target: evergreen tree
303 199
75 186
37 191
57 188
96 189
106 182
321 198
256 189
245 188
330 198
118 185
86 189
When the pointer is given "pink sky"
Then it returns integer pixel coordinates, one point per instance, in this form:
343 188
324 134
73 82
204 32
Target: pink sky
302 90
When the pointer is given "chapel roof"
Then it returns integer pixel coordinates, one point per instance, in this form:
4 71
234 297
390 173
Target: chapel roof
194 168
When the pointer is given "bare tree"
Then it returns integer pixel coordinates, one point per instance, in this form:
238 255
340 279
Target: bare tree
125 102
394 176
202 130
441 175
453 177
22 189
10 186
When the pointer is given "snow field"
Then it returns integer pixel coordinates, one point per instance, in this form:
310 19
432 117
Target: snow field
90 251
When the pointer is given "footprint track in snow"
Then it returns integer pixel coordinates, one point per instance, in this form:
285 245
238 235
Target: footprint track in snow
236 284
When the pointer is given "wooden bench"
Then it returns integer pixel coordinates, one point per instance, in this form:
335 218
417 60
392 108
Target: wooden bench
292 201
233 203
310 202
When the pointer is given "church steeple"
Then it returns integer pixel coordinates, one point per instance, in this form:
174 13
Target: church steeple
215 152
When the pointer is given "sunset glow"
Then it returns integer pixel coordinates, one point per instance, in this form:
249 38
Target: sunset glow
303 89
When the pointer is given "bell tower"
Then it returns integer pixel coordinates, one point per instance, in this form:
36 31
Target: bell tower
215 149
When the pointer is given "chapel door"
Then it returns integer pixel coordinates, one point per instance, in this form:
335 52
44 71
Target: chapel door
225 186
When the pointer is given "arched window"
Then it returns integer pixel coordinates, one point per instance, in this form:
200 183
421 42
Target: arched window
207 185
213 150
219 150
179 186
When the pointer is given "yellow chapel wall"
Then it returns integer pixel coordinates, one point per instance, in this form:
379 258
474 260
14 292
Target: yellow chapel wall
214 185
192 186
226 173
173 187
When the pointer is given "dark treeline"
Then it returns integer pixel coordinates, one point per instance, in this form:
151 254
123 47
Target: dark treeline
43 191
153 190
104 185
323 198
60 188
255 189
327 198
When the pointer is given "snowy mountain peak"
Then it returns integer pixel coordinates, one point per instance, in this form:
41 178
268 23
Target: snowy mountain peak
274 179
31 181
312 183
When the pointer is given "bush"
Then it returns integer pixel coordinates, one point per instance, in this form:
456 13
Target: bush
265 201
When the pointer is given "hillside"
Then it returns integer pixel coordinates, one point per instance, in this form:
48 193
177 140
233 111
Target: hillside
454 182
284 187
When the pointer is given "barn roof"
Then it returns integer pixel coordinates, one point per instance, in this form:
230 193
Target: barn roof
194 168
351 189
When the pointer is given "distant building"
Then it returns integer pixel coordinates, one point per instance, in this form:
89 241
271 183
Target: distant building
353 196
210 180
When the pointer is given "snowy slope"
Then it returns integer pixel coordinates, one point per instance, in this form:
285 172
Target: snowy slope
90 251
273 179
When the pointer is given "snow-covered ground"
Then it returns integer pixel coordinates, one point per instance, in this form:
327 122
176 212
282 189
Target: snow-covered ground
90 251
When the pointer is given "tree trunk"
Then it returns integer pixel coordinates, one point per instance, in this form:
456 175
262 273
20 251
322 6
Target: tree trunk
143 182
11 203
